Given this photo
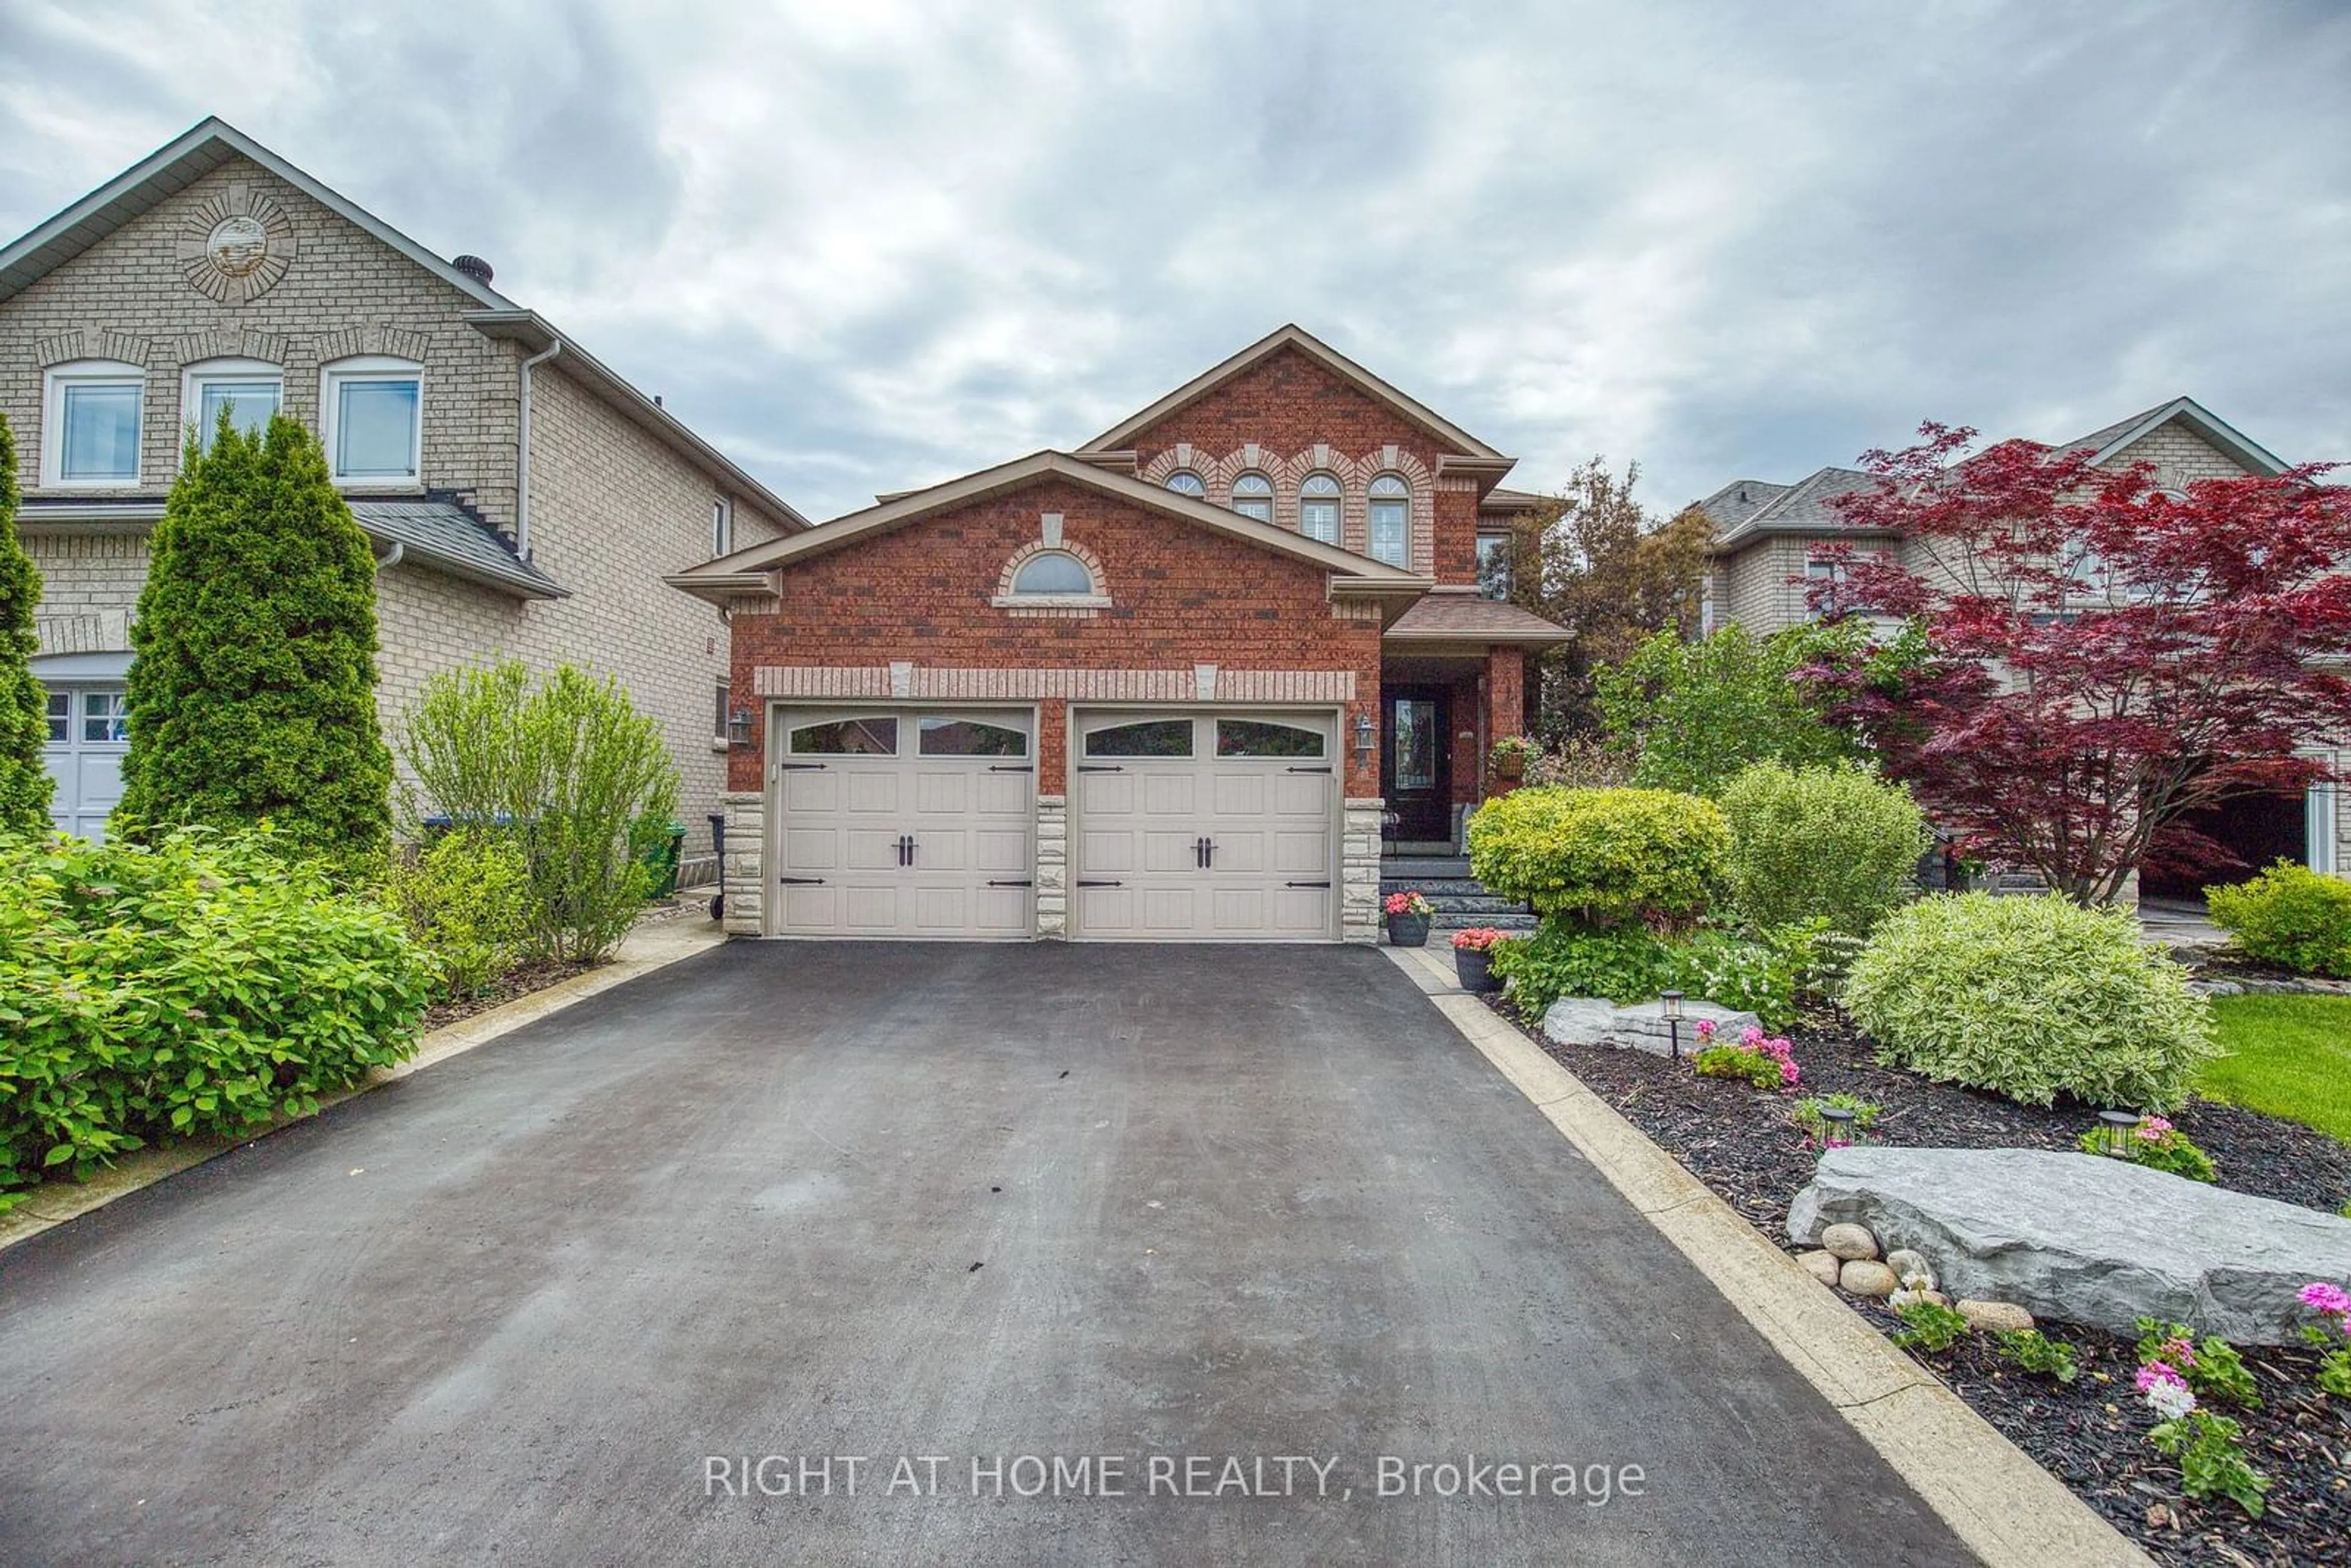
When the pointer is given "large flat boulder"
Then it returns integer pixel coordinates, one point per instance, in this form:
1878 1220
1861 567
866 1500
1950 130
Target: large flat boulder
1639 1025
2083 1238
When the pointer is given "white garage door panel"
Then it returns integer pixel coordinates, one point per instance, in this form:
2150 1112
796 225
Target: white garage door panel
84 756
1139 822
845 824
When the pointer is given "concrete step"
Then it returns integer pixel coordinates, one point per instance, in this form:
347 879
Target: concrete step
1424 867
1505 920
1435 886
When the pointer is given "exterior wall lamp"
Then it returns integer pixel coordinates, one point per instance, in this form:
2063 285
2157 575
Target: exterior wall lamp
1364 738
738 726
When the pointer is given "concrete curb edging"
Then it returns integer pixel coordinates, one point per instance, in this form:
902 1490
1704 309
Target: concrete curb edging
1996 1498
643 951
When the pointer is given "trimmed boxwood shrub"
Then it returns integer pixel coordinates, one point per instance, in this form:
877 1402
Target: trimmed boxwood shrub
2289 915
2031 997
1835 843
201 985
1602 856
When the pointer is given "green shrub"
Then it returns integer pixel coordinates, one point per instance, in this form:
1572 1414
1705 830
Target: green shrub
2289 915
2212 1366
1730 1061
1929 1326
1761 974
571 768
1563 960
2155 1143
201 985
1835 843
466 897
2034 1351
1604 856
253 696
24 782
2031 997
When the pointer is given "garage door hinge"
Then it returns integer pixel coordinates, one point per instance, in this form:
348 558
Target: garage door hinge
1023 882
1306 884
801 881
1083 883
1099 768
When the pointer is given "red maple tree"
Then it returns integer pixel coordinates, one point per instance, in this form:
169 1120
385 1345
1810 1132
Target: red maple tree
2101 657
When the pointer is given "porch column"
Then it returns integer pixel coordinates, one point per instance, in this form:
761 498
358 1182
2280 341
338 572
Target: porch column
1506 709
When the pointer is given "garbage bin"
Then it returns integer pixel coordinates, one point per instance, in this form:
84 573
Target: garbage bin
661 857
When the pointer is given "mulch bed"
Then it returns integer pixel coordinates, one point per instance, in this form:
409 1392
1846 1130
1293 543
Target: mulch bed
2092 1435
507 987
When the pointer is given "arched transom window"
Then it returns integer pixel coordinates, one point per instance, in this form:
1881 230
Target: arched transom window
1391 520
1053 571
1184 482
1318 508
1253 496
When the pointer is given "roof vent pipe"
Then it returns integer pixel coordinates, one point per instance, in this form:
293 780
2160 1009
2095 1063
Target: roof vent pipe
474 266
522 448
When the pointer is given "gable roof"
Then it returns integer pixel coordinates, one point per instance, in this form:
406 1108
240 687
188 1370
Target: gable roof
746 571
1799 508
1294 337
2118 437
178 164
172 168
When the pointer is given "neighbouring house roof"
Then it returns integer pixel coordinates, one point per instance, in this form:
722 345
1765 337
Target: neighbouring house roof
1460 615
1498 499
747 571
1799 508
445 536
438 535
2118 437
180 163
1294 337
1739 500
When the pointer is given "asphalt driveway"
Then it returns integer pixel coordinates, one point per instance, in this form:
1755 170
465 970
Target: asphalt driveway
1140 1210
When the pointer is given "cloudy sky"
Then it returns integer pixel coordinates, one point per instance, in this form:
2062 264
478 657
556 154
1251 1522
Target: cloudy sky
863 244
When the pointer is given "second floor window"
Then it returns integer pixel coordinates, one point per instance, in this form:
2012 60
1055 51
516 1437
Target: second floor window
375 420
1822 578
1184 482
1253 496
1318 508
1494 566
722 526
250 389
1391 520
91 435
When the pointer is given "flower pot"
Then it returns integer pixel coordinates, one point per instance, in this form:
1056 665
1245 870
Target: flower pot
1475 967
1408 930
1509 766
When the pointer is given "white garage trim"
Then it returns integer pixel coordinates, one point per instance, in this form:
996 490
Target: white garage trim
872 832
1184 827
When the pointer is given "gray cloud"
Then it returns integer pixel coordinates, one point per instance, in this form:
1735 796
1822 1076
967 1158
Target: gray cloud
868 246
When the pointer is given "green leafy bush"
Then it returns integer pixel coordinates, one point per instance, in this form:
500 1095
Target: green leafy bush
2212 1366
2031 997
2211 1454
1929 1326
1835 843
2155 1143
2036 1353
466 897
253 696
1561 960
1604 856
1762 975
570 767
201 985
1730 1061
2289 915
24 782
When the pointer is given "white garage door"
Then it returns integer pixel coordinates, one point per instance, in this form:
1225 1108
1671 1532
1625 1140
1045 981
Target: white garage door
85 755
906 824
1204 827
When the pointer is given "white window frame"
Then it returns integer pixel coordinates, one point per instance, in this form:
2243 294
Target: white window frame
1336 496
722 526
1199 488
332 378
194 378
1094 597
1372 501
1235 498
724 690
84 374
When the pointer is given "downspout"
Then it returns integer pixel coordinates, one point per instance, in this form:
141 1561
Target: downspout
522 451
386 562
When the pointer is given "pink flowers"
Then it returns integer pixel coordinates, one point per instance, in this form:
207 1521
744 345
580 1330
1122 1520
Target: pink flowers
1479 939
1706 1032
2165 1390
2331 1301
1762 1060
2152 1129
1754 1039
1409 902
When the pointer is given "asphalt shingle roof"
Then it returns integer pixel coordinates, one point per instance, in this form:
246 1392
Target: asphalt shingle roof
447 538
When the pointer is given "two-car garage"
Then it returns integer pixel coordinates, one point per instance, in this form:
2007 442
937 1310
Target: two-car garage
1181 824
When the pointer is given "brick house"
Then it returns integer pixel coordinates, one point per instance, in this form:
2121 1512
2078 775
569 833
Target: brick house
1187 681
1771 539
523 498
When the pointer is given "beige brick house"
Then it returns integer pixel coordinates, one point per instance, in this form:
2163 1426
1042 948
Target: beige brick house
523 499
1771 538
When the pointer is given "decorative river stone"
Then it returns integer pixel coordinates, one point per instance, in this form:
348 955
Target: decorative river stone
2084 1239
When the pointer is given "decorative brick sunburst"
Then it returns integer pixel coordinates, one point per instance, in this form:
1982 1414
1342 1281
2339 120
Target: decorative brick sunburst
236 245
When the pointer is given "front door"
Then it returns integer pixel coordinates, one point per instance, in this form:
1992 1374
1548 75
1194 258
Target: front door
1414 771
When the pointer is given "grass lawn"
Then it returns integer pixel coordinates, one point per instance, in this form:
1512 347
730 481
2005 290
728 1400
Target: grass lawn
2292 1059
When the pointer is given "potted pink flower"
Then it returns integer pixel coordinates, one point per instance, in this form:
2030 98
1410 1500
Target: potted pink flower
1408 914
1473 957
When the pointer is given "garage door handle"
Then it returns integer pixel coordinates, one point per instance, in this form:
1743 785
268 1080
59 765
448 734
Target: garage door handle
1099 768
799 767
1023 882
801 881
1083 883
1324 769
1324 883
1013 768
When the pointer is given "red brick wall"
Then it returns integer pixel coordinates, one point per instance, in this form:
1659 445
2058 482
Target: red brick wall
1181 595
1506 702
1287 403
